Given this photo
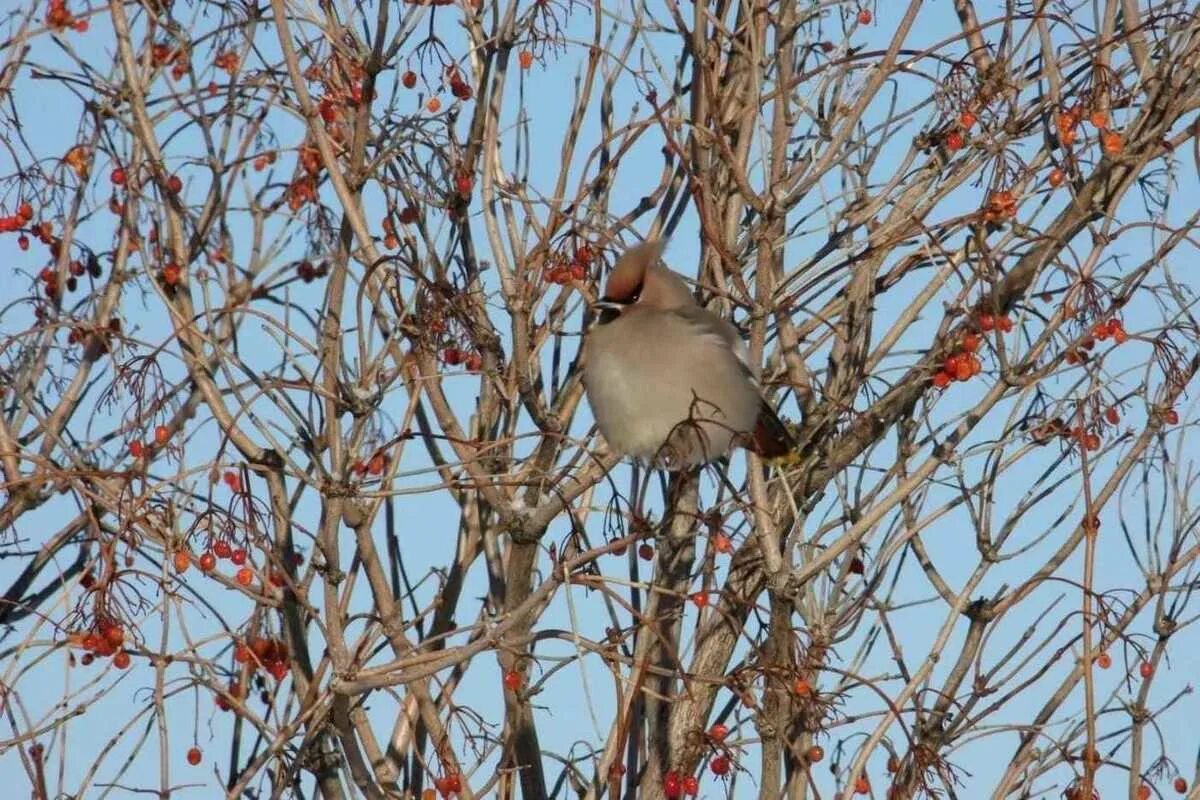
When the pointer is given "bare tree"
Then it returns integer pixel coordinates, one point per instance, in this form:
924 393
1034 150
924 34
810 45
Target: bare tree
301 496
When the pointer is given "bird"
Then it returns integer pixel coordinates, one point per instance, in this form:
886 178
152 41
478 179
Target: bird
669 382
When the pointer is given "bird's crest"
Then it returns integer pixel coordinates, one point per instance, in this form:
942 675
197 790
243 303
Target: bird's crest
625 283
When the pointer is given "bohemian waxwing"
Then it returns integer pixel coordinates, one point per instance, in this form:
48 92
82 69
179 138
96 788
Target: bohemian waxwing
669 382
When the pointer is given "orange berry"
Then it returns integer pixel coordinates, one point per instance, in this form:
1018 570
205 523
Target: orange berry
815 753
1111 142
121 660
194 756
862 785
1099 119
1057 176
941 379
1103 660
181 560
954 141
967 119
161 435
525 59
434 105
802 687
245 576
865 17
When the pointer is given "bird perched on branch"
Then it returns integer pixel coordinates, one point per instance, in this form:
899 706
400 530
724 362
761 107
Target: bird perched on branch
670 382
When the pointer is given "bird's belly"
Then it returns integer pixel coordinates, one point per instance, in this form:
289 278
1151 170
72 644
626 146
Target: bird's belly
641 399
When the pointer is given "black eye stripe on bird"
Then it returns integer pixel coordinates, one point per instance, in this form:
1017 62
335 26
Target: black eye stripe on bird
657 359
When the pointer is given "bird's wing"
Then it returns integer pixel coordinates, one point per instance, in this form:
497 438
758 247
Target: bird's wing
722 331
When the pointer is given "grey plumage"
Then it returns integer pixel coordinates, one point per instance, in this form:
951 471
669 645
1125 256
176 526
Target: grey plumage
668 381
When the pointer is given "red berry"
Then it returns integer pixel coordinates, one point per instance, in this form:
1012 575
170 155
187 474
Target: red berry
1172 416
986 322
222 549
1146 669
194 756
691 785
864 17
117 177
409 80
720 765
121 660
954 141
161 435
114 635
238 556
718 732
23 242
672 785
1180 784
208 561
967 119
513 680
645 551
136 449
722 543
175 184
245 576
700 599
941 379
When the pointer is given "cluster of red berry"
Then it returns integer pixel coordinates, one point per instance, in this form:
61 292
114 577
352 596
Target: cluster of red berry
270 653
453 356
963 364
106 639
59 17
563 269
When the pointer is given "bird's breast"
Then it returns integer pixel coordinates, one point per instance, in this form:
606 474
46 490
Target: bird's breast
647 378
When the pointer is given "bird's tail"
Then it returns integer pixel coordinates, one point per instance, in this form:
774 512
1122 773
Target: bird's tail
771 438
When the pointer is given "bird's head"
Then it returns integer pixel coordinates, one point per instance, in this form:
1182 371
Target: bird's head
640 280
